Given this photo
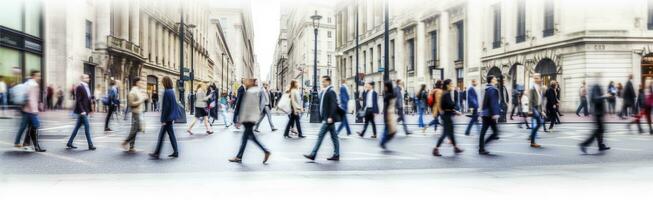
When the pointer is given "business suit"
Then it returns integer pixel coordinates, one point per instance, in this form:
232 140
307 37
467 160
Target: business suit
472 104
597 98
328 110
551 102
239 97
82 109
491 108
114 103
370 111
344 105
170 111
448 106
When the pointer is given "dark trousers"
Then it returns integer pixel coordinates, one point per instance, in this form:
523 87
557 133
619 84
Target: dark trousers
512 112
582 106
112 110
488 122
331 128
597 134
626 109
32 124
537 116
249 135
447 125
552 114
293 119
344 123
472 121
402 119
264 113
645 112
369 120
82 120
166 128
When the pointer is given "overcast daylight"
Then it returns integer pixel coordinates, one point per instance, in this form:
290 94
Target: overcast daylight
326 99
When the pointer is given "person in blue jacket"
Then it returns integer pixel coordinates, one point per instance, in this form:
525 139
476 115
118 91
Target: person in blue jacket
490 114
472 105
170 111
344 105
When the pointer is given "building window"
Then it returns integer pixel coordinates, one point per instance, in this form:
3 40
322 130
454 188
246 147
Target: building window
88 35
411 54
378 63
365 62
548 18
461 40
460 78
371 60
434 46
329 20
521 21
328 34
650 15
22 15
496 42
329 59
392 55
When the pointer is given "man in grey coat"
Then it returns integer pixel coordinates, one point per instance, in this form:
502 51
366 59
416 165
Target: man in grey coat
264 106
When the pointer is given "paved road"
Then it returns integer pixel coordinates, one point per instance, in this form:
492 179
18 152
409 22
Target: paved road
365 171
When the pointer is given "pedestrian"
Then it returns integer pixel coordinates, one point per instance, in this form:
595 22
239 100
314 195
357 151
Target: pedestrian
551 104
30 111
558 97
265 106
155 101
3 94
201 99
344 105
60 96
597 98
49 95
422 96
247 114
515 101
434 102
448 111
239 95
523 109
170 112
296 109
472 104
330 113
535 99
137 97
582 93
371 108
224 107
82 109
612 98
489 114
645 110
629 96
389 103
399 104
113 100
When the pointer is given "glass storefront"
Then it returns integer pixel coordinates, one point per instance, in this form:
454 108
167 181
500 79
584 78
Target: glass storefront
21 46
9 59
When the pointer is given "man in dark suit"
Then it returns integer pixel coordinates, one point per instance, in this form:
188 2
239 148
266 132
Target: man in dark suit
472 104
597 99
114 102
330 113
344 105
489 114
239 97
82 109
629 98
371 106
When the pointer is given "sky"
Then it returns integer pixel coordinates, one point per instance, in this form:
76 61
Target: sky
265 14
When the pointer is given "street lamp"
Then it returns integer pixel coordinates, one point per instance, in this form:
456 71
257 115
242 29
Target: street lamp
315 114
357 77
386 39
180 84
192 69
222 71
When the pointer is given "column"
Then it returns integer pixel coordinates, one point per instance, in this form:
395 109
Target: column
443 46
151 37
134 17
473 41
144 41
124 19
420 52
165 43
400 53
102 23
159 43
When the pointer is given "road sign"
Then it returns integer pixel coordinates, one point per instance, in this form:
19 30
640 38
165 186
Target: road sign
186 69
186 78
381 69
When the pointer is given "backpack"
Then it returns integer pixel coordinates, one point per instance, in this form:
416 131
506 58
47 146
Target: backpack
105 100
19 94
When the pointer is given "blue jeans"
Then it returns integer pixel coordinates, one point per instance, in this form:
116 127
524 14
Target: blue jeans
537 117
331 128
435 122
29 119
420 111
81 120
344 124
3 99
224 117
472 121
166 128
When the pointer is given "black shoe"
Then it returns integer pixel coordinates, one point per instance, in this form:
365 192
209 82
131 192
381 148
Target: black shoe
359 134
70 146
266 157
287 136
436 152
334 158
310 157
604 148
457 150
408 133
274 129
483 152
108 130
40 150
583 149
154 156
301 136
92 148
236 160
577 114
174 155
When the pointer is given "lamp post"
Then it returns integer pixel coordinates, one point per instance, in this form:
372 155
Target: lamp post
315 114
192 70
180 83
386 39
222 71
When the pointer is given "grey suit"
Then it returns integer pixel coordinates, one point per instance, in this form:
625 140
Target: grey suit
264 107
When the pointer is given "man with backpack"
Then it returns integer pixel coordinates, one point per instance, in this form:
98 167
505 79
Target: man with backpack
27 94
113 101
434 103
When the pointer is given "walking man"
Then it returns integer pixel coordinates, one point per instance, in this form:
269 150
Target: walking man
344 105
399 103
114 103
535 99
247 113
30 113
82 109
490 114
264 104
583 100
472 104
597 97
371 106
330 113
137 97
629 96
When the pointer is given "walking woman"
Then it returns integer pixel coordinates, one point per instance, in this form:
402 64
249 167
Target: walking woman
170 111
421 103
389 116
223 108
612 98
523 111
296 109
201 99
248 113
448 109
551 104
436 95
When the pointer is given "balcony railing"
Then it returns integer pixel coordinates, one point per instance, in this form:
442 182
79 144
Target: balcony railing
433 63
124 46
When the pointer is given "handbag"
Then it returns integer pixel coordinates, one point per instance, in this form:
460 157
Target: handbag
284 104
361 113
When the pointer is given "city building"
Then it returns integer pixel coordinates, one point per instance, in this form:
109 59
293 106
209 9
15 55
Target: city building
21 39
296 44
463 40
279 71
219 48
